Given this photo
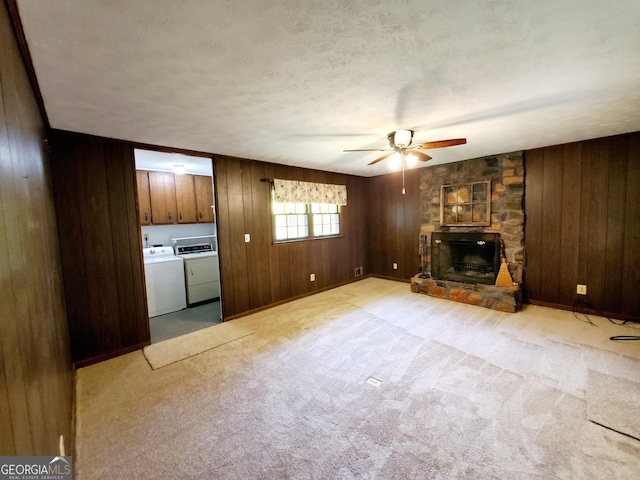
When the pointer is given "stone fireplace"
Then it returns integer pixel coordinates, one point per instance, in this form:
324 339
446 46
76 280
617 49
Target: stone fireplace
465 257
469 276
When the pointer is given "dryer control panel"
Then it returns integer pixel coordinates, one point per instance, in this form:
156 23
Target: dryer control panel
198 248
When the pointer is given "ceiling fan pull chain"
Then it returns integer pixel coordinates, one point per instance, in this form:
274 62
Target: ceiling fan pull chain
403 160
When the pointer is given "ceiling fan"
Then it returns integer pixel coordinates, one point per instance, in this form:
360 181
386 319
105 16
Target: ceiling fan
400 142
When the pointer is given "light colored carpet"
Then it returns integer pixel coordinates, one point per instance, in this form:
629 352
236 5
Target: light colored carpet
173 350
465 392
614 403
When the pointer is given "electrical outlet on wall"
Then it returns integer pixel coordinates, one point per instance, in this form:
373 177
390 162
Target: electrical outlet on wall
395 266
581 289
247 237
312 277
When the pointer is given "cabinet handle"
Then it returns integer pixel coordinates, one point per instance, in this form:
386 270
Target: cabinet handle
169 215
200 213
146 217
191 271
180 214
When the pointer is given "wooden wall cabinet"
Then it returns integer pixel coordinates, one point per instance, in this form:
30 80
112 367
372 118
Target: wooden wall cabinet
144 199
185 198
204 198
162 191
165 198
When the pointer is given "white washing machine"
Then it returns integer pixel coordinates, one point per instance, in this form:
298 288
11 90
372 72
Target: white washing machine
164 276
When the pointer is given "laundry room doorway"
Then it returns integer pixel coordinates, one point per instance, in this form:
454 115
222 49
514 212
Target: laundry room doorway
177 218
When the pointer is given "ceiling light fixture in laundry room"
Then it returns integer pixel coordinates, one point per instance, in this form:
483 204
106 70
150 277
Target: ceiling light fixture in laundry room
179 169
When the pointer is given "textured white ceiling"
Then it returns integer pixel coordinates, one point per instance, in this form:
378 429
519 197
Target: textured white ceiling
296 82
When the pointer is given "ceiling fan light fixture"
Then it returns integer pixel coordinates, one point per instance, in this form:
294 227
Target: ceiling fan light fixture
402 138
395 162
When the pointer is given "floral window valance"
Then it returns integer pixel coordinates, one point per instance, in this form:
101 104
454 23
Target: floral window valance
294 191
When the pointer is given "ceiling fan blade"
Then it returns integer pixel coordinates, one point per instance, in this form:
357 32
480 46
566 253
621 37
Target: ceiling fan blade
383 157
441 143
369 150
423 157
321 135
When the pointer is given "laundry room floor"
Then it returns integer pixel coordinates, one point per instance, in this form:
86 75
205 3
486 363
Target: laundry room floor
170 325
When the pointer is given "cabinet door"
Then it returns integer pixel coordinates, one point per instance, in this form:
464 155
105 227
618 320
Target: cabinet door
163 198
144 201
185 199
204 198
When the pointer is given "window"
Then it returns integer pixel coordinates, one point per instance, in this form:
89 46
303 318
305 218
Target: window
294 221
326 219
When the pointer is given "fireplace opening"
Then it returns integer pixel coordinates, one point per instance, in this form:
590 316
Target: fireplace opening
469 257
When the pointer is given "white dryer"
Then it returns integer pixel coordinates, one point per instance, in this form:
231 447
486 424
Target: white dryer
201 271
164 276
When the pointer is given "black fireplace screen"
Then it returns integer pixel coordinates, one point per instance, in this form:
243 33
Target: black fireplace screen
465 257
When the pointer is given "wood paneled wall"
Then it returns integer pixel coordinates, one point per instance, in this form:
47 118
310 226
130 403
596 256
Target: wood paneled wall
95 198
95 193
583 224
36 378
380 226
94 182
261 273
394 223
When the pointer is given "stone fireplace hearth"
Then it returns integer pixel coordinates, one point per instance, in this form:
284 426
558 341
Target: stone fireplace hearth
503 299
506 174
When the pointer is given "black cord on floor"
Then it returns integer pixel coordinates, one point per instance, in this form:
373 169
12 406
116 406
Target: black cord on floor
586 318
620 323
625 337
